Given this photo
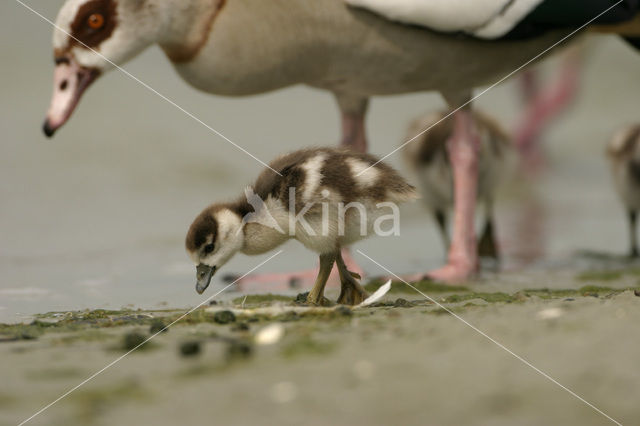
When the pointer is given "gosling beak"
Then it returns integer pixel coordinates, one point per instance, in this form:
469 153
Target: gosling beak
70 80
203 275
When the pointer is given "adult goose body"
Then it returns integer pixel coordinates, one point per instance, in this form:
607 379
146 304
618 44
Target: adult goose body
245 47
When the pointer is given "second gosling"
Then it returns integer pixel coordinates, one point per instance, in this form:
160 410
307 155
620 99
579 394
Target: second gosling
623 152
338 195
428 159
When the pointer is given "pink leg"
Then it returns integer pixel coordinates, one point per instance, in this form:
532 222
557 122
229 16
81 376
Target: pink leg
463 153
353 132
543 107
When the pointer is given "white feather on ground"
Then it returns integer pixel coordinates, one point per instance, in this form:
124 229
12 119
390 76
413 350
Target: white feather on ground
379 293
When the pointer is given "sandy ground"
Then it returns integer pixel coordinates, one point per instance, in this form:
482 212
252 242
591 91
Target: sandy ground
390 363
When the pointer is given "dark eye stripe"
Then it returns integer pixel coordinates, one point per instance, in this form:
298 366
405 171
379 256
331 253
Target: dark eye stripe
81 30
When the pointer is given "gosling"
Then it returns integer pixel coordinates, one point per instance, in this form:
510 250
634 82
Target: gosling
325 198
623 152
428 159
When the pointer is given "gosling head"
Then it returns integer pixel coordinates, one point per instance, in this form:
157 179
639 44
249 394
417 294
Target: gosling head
213 238
116 29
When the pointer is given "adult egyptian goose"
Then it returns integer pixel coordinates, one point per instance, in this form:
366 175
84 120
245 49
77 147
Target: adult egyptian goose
320 198
244 47
428 159
623 152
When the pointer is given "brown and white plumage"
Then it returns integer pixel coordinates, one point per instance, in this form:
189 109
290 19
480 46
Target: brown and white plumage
623 152
428 159
318 185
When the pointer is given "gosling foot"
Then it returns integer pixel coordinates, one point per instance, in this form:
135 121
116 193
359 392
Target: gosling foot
321 301
351 292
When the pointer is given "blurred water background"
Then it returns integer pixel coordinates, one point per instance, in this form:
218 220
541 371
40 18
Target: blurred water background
96 217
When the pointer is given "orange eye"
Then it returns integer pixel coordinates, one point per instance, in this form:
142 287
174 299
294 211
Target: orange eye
95 21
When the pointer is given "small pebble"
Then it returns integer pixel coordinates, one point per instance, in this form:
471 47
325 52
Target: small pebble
290 316
28 335
213 302
270 334
344 311
550 313
238 350
157 325
224 317
569 299
190 348
132 340
241 326
402 303
302 297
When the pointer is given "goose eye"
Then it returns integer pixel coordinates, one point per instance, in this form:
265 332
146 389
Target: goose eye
95 21
208 248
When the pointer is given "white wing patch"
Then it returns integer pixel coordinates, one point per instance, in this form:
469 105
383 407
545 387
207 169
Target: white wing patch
313 176
362 172
481 18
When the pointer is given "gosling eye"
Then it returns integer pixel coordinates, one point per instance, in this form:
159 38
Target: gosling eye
208 248
95 21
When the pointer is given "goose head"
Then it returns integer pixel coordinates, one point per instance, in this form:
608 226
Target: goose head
213 238
91 36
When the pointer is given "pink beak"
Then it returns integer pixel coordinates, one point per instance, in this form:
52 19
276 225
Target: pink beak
70 80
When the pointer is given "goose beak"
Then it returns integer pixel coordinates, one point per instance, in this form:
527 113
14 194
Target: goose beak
70 80
203 275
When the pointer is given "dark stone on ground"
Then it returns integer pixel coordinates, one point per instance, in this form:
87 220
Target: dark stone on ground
290 316
241 326
224 317
132 340
238 350
190 348
344 311
301 298
402 303
157 325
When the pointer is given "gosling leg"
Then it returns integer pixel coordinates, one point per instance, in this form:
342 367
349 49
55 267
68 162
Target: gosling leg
487 246
351 292
316 295
440 217
632 234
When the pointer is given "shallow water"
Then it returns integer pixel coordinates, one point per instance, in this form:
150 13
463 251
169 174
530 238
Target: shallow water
96 217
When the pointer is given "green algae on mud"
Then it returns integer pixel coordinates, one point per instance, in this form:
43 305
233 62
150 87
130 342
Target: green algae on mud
85 325
609 274
487 297
259 299
600 275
